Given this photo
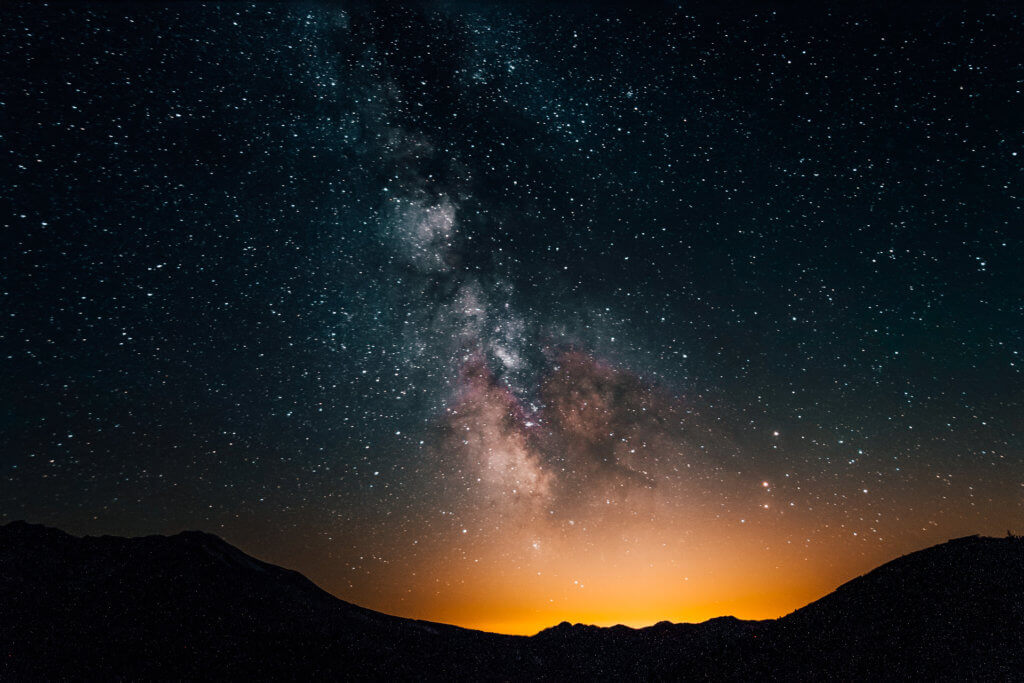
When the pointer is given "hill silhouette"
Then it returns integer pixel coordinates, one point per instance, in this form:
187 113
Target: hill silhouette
193 606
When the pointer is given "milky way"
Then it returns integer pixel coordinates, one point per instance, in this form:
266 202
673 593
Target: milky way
501 315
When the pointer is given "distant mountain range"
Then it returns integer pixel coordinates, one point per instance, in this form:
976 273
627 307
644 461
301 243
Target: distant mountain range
191 606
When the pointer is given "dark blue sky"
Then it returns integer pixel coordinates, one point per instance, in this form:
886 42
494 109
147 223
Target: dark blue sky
251 250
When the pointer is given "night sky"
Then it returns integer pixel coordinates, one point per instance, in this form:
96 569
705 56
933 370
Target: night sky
502 314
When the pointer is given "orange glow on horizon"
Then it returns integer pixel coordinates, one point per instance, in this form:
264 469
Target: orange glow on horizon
631 596
509 584
625 506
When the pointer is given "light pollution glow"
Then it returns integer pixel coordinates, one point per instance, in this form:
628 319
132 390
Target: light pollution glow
614 503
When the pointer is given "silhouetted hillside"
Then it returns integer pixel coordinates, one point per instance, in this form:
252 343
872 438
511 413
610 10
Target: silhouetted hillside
188 605
952 610
193 606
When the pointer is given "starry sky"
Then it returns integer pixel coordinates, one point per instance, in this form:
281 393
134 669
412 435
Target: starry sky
500 314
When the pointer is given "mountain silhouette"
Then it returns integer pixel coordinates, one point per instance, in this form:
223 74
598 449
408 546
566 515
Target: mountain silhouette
192 606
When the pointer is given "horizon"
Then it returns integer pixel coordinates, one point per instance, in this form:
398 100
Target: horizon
518 628
503 315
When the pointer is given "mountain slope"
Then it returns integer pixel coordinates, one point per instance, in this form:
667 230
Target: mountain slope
192 606
189 605
955 607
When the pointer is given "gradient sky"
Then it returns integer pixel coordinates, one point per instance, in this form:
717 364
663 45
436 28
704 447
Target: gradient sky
502 314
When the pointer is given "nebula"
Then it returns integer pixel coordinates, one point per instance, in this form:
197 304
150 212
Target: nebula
493 437
595 440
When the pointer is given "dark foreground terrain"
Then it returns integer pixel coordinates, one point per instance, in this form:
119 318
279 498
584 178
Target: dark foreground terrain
193 606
